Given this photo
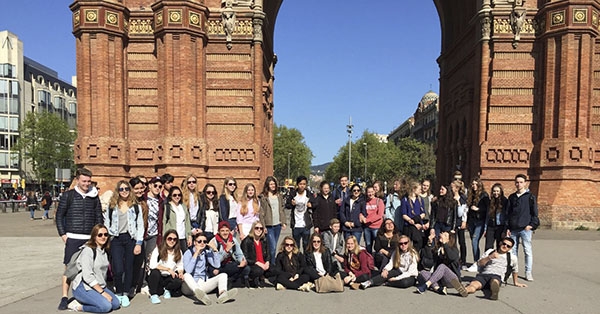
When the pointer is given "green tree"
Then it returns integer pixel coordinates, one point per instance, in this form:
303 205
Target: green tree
289 143
384 161
45 143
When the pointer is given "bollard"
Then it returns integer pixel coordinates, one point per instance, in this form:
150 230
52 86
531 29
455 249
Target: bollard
3 204
14 207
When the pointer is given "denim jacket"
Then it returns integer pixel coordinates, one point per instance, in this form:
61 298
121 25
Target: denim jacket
134 227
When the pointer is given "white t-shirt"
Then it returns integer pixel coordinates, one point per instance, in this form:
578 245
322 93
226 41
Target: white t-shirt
180 219
300 209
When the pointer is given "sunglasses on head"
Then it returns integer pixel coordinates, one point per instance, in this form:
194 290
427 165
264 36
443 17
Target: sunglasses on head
125 189
171 239
102 235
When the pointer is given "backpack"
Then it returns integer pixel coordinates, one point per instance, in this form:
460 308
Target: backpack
509 268
72 270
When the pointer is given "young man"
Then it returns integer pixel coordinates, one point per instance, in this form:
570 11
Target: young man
522 219
342 192
493 266
167 180
334 241
228 249
79 210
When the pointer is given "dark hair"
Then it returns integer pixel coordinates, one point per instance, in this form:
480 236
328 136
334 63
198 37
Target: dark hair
171 190
447 201
204 200
311 249
323 184
381 231
496 203
509 239
520 175
300 178
167 178
355 186
83 171
162 247
135 181
343 176
92 241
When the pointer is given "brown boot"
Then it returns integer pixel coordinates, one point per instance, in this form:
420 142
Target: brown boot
495 288
459 287
355 286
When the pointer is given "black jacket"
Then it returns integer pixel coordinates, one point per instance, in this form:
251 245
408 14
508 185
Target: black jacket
330 268
325 210
522 212
483 204
292 266
307 213
76 214
250 253
352 214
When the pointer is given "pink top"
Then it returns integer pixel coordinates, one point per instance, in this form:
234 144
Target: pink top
375 210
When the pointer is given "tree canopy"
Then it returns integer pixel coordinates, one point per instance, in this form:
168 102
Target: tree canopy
45 142
289 143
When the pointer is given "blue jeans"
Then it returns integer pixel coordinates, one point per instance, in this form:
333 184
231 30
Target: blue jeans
441 227
357 234
94 302
301 234
273 233
370 235
525 236
475 231
121 251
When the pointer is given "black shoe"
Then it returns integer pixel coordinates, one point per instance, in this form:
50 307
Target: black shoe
64 303
246 283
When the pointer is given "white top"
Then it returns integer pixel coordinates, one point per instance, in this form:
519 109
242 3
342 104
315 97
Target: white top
169 263
300 209
180 219
319 263
212 221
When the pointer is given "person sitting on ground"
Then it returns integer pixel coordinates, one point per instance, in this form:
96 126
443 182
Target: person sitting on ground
333 239
290 265
492 266
166 268
385 243
89 286
202 276
447 267
231 257
256 250
401 271
356 266
318 259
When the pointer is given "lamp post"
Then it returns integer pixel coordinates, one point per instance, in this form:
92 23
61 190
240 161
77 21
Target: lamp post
365 177
349 130
288 176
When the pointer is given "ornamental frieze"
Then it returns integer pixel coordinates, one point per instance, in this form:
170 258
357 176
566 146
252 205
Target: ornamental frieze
140 26
502 26
215 27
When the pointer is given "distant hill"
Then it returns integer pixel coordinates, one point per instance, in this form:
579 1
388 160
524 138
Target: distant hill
319 168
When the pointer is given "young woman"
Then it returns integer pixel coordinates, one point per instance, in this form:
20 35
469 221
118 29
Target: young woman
198 261
89 286
385 243
228 203
46 203
256 250
289 265
177 217
378 188
334 241
32 203
392 205
271 213
191 199
325 209
356 268
301 202
372 220
478 203
413 213
166 267
447 267
457 187
318 259
401 271
496 217
249 211
352 208
125 222
209 206
443 212
139 189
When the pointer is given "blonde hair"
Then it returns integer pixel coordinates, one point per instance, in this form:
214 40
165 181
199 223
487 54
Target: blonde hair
282 245
254 200
185 192
114 200
410 249
251 233
225 190
356 246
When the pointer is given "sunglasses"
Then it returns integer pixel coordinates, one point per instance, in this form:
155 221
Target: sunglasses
102 235
506 244
231 184
124 189
402 243
191 181
289 244
316 241
259 228
355 190
202 241
210 192
176 195
158 186
171 239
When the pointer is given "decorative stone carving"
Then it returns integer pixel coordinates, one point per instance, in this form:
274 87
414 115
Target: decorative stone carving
552 154
228 18
507 156
140 27
517 18
258 36
91 16
112 18
76 19
576 153
486 28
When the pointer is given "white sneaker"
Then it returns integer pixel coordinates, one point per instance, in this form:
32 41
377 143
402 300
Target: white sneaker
145 291
473 268
528 276
202 296
227 295
75 306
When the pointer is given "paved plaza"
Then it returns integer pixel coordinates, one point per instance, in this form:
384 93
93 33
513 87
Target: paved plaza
567 280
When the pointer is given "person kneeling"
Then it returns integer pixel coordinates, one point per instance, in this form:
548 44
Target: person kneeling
197 262
492 266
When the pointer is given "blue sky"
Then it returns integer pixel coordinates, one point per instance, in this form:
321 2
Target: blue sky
372 60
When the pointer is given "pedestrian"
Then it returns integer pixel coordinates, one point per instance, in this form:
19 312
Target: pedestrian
522 219
79 210
46 203
31 203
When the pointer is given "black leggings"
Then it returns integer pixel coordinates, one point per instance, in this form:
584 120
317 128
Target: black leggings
284 280
157 283
402 283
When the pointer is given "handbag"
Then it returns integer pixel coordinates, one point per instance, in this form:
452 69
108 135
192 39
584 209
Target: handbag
328 283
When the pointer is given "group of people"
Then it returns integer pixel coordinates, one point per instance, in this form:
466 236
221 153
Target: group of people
169 240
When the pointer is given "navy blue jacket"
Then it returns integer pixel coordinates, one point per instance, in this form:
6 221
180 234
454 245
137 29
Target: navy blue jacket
522 212
348 213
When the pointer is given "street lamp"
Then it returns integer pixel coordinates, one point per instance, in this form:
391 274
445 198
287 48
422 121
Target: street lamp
365 178
349 130
288 176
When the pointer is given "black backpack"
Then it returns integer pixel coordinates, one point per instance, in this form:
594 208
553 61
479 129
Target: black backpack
509 268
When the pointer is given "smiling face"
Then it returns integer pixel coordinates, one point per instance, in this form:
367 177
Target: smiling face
258 230
325 189
316 243
84 182
496 192
224 232
273 187
289 245
171 240
201 242
176 196
443 190
124 191
191 183
350 244
370 193
101 237
344 182
231 186
210 192
139 190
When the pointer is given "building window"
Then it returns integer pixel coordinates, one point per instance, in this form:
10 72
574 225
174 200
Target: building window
8 70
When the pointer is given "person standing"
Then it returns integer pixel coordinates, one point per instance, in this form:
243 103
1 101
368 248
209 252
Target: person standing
350 213
228 203
342 192
522 220
478 203
325 209
249 211
32 203
392 205
271 213
374 208
413 213
496 217
300 202
79 210
46 203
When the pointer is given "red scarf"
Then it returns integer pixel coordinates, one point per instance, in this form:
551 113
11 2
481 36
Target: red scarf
224 244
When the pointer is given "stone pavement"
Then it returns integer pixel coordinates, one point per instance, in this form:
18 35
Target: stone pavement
567 280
